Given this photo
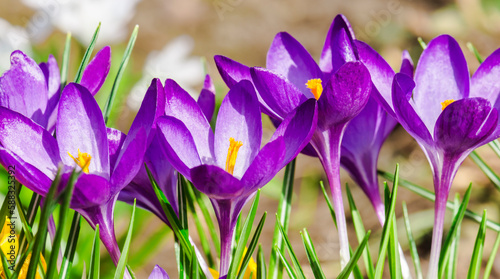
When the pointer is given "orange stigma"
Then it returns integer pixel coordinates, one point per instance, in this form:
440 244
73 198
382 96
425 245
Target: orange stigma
232 153
315 86
446 103
83 160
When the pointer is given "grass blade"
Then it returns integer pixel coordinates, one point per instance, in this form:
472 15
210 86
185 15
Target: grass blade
477 255
261 264
65 61
30 219
491 260
413 245
95 256
123 65
194 274
208 219
387 226
284 208
329 203
311 255
473 49
430 196
286 264
360 233
70 251
251 247
451 265
122 262
344 274
88 53
295 261
486 169
245 234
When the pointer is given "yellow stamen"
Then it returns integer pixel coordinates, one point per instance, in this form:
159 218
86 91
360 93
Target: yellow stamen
83 160
9 244
232 153
315 86
250 272
446 103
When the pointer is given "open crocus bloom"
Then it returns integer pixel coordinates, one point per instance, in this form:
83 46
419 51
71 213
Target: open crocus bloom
32 89
229 165
108 159
340 83
163 172
447 112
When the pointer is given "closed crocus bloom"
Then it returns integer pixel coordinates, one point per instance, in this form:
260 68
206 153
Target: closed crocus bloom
164 174
33 90
340 84
448 113
229 165
158 273
108 159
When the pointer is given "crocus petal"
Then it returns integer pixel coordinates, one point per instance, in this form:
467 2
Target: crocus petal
233 72
289 58
464 124
405 113
80 126
129 160
485 82
23 88
29 141
297 129
97 70
265 166
239 118
216 183
115 143
339 47
53 79
178 144
441 75
381 74
206 100
279 94
406 64
90 190
182 106
158 273
27 174
345 95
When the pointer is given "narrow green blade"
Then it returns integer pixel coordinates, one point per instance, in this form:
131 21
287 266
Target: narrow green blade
491 260
286 264
344 274
95 256
413 245
70 251
477 255
312 256
329 203
65 61
86 56
295 261
251 247
261 264
486 169
122 262
473 49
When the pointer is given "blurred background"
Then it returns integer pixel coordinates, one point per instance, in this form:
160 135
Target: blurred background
178 39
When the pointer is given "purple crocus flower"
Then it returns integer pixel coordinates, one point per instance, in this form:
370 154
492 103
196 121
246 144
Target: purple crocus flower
33 89
340 83
158 273
365 134
108 159
448 113
229 165
163 172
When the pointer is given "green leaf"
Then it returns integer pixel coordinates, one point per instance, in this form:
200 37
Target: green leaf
284 208
413 245
451 264
123 65
477 254
95 256
293 257
182 203
495 146
430 196
473 49
394 258
360 233
63 211
261 264
65 61
387 226
422 43
245 234
88 53
122 262
286 264
311 255
457 220
251 247
194 274
329 203
132 274
5 266
486 169
29 219
344 274
491 260
70 251
39 241
200 200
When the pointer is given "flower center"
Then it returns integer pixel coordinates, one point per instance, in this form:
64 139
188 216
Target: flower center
83 160
315 86
446 103
232 153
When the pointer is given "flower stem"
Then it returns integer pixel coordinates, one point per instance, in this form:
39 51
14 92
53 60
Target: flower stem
226 227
